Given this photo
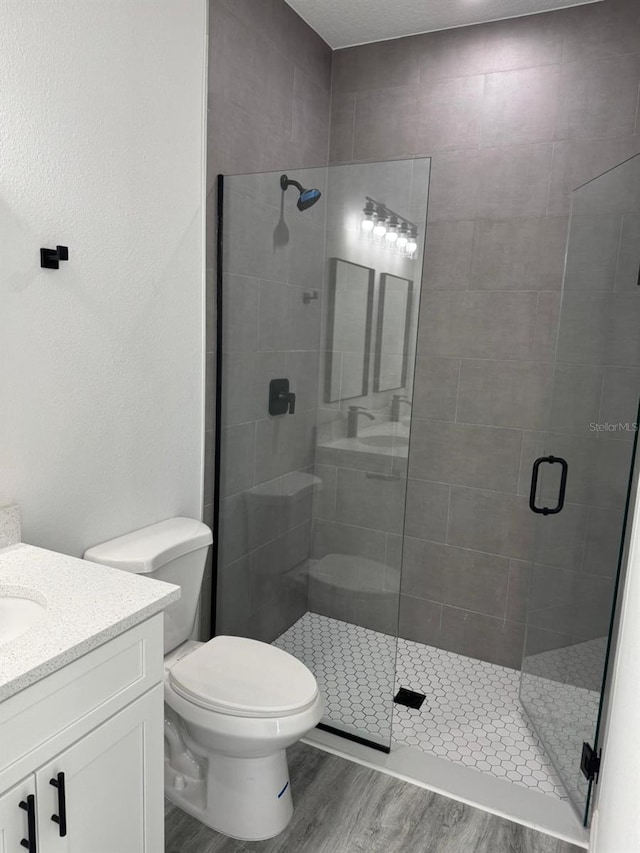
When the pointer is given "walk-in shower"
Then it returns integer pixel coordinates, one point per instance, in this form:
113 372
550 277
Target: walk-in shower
379 525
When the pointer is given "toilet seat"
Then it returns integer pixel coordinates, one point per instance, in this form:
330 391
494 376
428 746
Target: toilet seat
244 678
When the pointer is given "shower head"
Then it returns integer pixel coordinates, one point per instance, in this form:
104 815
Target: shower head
307 198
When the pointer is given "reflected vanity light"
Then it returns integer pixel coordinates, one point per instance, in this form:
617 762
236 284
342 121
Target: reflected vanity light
367 217
389 229
380 228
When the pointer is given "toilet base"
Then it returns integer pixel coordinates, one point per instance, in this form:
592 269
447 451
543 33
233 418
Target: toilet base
245 798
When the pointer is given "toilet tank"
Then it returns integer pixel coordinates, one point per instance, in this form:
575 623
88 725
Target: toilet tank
175 551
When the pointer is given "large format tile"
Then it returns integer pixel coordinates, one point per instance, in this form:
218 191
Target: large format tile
375 66
343 108
599 98
449 115
385 124
367 499
491 521
468 455
602 29
504 393
592 256
518 254
454 189
481 636
474 324
526 42
520 106
448 252
435 388
578 161
420 620
427 510
513 181
456 576
248 71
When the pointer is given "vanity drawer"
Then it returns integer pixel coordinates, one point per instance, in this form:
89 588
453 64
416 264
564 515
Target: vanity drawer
53 713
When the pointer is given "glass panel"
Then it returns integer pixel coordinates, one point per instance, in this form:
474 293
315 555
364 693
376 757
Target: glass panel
312 504
593 426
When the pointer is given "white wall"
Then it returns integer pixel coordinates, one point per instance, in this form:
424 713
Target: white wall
616 824
101 366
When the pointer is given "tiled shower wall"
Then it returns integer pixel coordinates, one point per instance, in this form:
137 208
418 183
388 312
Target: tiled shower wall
269 103
515 114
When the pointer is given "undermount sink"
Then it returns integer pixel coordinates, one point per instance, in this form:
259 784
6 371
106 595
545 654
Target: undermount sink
384 440
18 613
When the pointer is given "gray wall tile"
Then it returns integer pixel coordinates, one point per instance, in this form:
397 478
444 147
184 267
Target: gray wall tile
602 29
468 455
494 522
435 390
448 252
520 106
449 114
427 510
457 576
365 500
476 324
519 254
480 636
599 98
513 181
393 137
420 620
505 393
536 40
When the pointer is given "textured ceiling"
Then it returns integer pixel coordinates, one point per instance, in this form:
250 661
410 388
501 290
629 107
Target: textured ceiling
342 23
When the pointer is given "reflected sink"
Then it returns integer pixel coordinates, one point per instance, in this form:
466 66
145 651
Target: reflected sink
18 613
384 440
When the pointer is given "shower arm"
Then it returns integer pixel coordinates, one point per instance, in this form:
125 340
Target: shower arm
286 182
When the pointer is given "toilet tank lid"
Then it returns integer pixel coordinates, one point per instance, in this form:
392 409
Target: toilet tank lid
150 548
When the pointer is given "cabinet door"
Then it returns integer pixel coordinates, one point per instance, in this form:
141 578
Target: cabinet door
113 782
15 819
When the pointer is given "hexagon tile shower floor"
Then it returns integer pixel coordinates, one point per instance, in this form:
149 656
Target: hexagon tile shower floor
471 716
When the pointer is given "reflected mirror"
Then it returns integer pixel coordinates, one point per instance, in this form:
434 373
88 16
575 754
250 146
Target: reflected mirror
394 323
350 313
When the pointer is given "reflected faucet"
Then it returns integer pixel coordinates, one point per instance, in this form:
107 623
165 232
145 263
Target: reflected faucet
352 419
395 406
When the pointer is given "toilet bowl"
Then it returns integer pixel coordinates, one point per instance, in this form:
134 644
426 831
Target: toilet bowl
236 705
232 705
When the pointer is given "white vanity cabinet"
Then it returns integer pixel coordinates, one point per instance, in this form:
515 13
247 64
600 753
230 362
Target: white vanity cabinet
81 753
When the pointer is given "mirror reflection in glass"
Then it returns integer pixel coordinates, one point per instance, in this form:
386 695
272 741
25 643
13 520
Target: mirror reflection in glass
394 323
348 330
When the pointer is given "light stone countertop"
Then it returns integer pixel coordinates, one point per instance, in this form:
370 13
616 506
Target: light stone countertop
87 605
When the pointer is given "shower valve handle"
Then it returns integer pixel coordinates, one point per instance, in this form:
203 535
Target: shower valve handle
281 400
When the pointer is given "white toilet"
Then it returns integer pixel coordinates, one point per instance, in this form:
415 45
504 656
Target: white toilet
232 705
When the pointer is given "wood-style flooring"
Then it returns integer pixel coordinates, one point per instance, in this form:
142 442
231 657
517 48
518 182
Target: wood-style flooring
343 807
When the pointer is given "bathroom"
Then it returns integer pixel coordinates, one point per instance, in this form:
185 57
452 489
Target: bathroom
381 532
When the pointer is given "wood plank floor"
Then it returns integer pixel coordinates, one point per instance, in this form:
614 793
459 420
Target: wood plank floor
342 807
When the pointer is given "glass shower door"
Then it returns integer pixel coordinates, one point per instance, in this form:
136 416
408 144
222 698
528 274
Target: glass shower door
313 468
581 480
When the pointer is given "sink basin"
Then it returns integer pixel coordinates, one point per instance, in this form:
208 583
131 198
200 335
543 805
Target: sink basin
18 613
384 440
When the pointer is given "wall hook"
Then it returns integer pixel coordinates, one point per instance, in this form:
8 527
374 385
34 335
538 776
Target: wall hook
49 258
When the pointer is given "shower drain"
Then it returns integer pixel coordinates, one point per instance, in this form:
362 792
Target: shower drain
409 698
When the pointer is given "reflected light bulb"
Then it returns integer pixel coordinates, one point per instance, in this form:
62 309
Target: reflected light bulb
380 229
367 224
